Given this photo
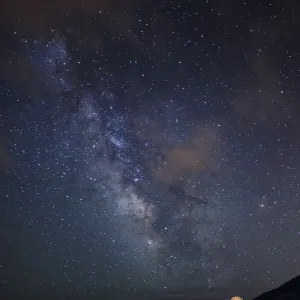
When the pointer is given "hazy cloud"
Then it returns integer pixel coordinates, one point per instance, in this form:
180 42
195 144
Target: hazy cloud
194 156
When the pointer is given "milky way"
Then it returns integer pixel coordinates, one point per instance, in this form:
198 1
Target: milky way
166 231
170 174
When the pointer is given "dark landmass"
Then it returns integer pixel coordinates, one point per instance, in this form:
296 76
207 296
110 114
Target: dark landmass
289 290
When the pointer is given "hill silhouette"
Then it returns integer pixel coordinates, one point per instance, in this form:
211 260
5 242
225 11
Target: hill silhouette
288 291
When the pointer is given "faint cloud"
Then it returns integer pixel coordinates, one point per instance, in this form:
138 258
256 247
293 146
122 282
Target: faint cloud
266 102
194 156
38 17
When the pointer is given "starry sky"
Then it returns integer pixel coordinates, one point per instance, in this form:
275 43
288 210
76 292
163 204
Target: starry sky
148 147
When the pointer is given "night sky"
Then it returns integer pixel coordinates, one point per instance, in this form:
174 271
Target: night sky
148 147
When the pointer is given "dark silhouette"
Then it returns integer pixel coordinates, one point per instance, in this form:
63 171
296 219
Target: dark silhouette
288 291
